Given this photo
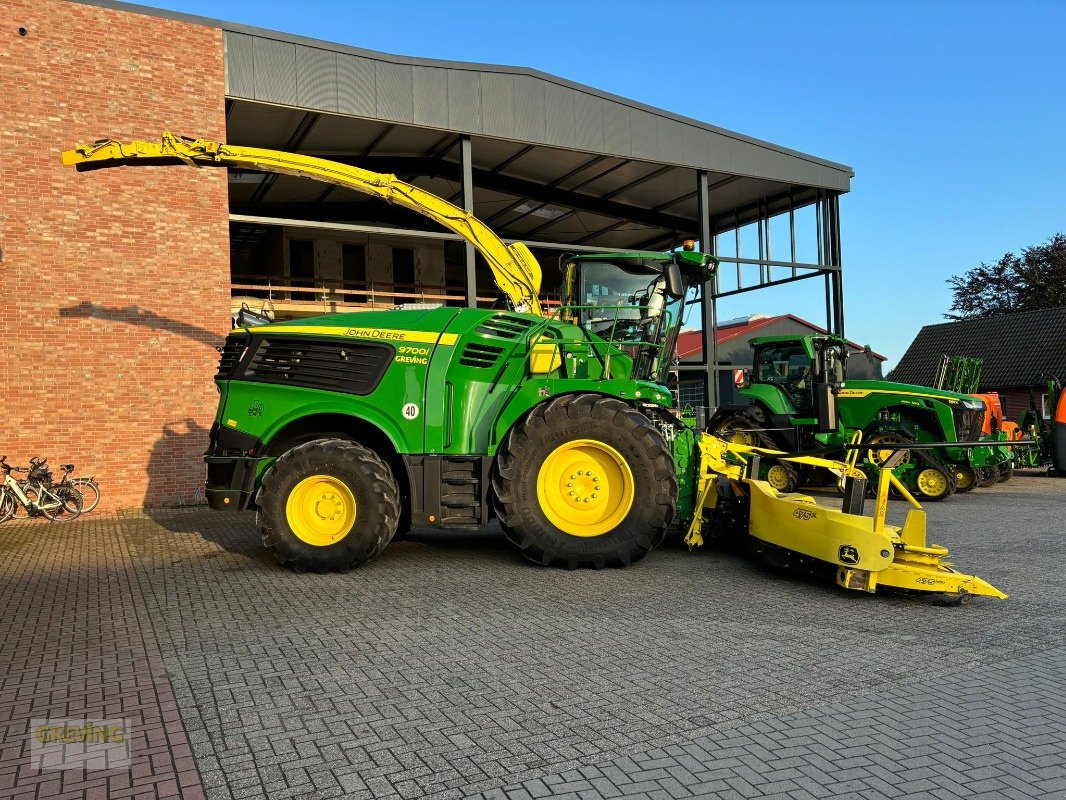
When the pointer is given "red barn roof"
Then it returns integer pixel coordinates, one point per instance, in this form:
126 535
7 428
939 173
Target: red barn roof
690 343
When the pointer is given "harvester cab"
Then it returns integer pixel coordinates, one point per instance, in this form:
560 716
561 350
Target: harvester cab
635 302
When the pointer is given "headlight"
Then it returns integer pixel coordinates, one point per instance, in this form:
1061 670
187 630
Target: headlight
974 405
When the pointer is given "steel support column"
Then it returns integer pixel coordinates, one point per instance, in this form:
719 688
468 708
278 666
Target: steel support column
466 166
708 302
838 273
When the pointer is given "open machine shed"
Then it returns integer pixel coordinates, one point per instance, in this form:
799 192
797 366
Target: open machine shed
156 260
558 165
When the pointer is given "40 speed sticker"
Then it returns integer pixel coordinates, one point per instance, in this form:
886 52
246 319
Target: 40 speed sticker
410 411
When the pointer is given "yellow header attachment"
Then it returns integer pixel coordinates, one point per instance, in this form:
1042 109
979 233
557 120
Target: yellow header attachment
514 268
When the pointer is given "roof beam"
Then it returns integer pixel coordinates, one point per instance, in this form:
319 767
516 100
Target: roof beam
300 133
547 194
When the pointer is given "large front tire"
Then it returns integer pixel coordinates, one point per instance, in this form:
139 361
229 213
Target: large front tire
585 481
327 506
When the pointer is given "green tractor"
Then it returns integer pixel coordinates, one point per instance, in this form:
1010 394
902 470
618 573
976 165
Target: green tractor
781 410
346 429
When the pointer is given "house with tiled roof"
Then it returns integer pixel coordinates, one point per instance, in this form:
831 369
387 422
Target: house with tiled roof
1018 351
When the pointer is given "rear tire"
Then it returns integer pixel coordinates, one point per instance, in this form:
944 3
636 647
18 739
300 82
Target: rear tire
540 476
1006 471
90 492
327 506
986 476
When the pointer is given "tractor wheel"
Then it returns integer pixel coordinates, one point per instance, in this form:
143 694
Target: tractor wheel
737 429
987 476
327 506
879 457
1006 471
585 481
934 483
965 478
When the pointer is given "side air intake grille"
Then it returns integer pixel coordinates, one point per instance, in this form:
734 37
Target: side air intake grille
231 351
505 326
480 355
351 367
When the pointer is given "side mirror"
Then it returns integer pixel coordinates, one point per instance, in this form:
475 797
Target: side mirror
675 287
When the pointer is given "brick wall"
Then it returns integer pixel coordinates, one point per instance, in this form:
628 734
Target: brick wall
113 283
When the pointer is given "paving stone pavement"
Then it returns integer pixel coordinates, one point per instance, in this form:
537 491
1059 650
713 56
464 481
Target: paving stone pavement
448 667
76 643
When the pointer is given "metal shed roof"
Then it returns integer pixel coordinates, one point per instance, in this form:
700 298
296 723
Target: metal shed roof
513 103
553 160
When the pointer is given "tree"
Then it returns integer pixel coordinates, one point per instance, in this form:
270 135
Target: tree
1035 279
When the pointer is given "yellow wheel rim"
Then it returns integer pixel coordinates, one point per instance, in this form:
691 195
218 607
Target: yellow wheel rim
932 482
321 510
735 431
964 478
777 477
879 457
585 488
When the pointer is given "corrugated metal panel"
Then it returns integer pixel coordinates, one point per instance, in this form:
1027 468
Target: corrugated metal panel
395 91
558 113
671 140
464 100
588 122
645 134
529 109
430 97
497 105
316 78
240 65
617 137
742 158
275 71
501 101
356 92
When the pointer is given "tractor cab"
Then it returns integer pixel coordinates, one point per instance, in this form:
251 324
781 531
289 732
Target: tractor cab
806 370
635 302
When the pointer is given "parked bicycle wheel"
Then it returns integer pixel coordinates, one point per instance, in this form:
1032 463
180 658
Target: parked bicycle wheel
90 493
7 504
56 503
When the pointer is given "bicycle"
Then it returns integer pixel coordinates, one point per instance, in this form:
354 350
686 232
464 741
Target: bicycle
35 498
87 487
39 473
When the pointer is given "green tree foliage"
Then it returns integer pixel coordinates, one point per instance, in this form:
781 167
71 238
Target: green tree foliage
1035 279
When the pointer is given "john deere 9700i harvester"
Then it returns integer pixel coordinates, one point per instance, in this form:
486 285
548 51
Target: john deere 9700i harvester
342 430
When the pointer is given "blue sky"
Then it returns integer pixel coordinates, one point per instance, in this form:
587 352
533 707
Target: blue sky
953 114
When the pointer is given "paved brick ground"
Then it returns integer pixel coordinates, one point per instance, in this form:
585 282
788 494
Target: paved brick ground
77 643
448 667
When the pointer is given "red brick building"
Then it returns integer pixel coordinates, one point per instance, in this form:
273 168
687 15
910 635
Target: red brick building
114 290
116 285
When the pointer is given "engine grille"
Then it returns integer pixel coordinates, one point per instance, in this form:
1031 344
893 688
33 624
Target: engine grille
350 367
480 355
505 326
231 354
